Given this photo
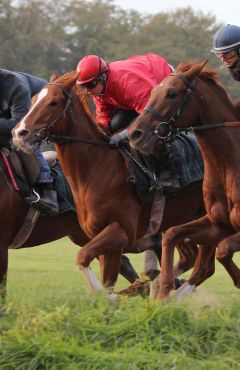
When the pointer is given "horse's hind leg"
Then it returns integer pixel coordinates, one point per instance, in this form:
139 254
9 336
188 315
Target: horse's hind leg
127 270
3 271
187 256
225 251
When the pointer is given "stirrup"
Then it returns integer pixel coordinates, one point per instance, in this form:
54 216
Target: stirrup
33 199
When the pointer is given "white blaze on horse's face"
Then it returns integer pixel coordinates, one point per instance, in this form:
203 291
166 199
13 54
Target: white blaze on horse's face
41 95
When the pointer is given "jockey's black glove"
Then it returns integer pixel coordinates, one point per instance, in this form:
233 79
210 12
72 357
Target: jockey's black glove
117 138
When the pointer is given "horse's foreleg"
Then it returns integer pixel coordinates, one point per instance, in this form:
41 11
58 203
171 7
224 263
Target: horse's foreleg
201 231
110 240
109 267
204 267
226 248
3 271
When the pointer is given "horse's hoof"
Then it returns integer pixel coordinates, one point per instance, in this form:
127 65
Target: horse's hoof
184 290
178 283
139 287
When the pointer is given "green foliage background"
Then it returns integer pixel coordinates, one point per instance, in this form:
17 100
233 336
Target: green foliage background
40 36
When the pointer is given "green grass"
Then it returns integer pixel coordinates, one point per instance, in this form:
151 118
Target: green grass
52 321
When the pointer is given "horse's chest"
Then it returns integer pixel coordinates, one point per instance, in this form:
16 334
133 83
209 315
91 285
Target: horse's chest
225 211
235 215
218 213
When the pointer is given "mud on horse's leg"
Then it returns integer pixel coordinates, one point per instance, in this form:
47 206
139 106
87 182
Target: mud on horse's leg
201 232
226 248
112 239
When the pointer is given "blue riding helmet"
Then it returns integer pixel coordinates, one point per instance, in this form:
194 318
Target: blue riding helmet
226 38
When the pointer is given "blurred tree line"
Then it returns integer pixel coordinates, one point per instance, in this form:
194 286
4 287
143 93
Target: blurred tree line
40 36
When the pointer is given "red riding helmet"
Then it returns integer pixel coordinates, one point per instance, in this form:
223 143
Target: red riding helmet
90 67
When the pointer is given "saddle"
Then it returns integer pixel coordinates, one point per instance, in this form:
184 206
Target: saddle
25 170
172 171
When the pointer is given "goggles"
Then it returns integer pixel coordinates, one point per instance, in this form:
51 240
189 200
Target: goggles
91 84
227 54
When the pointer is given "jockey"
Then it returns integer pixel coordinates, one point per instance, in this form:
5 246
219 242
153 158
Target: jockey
226 45
121 89
16 91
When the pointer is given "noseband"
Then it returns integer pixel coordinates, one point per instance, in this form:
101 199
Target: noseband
160 119
44 133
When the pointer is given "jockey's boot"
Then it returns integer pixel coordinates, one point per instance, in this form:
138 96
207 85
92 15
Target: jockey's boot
168 180
47 203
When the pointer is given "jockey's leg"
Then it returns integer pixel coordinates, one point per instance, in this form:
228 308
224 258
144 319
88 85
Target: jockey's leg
48 196
122 119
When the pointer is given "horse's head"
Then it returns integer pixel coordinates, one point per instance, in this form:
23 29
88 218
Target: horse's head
172 104
47 114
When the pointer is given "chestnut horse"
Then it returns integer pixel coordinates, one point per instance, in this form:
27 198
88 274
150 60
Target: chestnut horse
14 210
192 97
109 210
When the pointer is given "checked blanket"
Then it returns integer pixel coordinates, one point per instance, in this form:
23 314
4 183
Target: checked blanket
188 159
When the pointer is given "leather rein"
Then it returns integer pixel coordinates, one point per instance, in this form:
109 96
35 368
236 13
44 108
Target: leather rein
161 121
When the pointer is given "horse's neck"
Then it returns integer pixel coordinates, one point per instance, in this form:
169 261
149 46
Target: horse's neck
83 161
218 145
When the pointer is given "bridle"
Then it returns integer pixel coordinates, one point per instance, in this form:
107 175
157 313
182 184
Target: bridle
160 119
44 133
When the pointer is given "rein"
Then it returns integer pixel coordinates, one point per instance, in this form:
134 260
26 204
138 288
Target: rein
63 139
207 127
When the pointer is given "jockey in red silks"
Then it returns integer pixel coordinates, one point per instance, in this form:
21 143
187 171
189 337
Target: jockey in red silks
121 89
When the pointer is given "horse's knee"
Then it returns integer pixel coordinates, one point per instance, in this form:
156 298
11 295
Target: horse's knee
170 235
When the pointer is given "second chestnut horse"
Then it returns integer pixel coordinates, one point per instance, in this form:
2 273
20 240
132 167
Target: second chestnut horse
109 210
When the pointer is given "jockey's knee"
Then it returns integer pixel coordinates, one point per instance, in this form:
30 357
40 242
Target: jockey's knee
122 119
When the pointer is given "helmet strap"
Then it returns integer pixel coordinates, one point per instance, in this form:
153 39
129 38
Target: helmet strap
103 79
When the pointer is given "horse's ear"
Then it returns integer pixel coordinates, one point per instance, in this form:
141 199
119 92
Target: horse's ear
195 70
71 78
54 76
203 64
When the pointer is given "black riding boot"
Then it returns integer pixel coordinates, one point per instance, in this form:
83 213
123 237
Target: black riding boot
47 204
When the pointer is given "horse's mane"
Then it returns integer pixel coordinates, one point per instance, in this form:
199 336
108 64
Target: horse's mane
70 78
207 74
67 78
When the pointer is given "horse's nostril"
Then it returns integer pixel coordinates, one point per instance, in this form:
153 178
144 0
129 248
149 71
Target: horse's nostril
135 135
23 133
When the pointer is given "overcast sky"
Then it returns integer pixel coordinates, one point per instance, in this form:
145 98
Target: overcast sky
226 11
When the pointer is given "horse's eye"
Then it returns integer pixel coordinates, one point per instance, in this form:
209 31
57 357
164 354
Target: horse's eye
171 94
53 104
